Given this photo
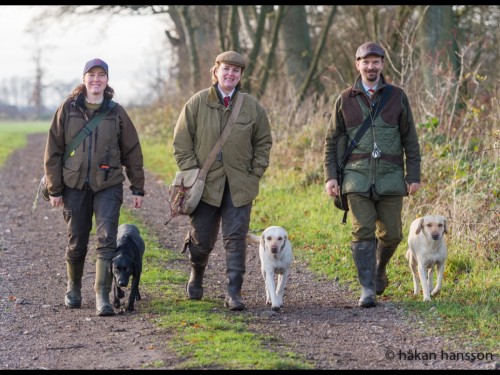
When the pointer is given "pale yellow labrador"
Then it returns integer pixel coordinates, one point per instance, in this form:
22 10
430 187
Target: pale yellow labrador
426 251
275 252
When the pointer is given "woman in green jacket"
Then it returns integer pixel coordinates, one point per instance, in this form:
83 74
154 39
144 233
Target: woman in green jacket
232 182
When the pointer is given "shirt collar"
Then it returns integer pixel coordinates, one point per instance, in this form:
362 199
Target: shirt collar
222 92
367 88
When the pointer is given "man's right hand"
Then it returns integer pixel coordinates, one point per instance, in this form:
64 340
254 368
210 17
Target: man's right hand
332 187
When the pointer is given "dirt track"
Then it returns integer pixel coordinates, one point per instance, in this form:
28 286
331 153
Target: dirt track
320 320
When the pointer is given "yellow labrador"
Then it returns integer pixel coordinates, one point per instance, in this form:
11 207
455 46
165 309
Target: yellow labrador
426 251
275 252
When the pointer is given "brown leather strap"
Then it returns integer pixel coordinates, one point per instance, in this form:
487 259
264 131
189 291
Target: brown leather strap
394 159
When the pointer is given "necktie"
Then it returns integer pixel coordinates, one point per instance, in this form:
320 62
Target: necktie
226 100
371 92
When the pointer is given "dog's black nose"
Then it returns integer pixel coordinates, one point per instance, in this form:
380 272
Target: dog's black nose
435 237
122 284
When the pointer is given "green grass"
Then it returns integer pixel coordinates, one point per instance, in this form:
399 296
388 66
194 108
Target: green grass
209 337
468 301
156 155
13 135
206 336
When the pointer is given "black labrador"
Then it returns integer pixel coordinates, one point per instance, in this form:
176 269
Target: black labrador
126 264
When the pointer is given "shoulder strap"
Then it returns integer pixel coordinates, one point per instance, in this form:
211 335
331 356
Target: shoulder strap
366 124
223 137
85 131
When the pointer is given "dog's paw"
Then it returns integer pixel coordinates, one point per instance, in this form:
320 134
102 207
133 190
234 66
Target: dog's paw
275 308
435 292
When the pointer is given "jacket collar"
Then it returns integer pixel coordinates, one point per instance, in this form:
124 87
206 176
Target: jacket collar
214 98
357 88
80 102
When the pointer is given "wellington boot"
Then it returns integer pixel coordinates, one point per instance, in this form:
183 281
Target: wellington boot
235 263
233 298
102 288
198 260
195 284
384 254
73 297
363 253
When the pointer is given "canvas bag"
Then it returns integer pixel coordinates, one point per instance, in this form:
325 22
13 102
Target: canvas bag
340 200
185 191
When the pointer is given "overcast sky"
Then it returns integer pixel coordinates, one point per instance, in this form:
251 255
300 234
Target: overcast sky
127 45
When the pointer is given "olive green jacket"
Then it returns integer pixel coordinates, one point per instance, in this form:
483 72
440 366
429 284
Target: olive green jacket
245 155
394 133
99 159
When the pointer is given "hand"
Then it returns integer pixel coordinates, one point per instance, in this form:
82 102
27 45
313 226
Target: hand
138 201
412 188
56 201
332 187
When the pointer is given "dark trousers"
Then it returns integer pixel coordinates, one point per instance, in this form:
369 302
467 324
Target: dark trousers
206 221
79 208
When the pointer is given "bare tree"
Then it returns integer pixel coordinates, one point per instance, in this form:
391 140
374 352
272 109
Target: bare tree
37 93
296 49
439 45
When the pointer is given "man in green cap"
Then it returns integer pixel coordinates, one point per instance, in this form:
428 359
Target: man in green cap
383 167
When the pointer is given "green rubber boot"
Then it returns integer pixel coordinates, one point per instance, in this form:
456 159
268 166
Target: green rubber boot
73 297
363 253
102 288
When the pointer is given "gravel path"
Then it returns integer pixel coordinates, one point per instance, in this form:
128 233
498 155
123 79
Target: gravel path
320 319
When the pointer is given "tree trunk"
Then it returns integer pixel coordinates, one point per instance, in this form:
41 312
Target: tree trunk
296 42
438 40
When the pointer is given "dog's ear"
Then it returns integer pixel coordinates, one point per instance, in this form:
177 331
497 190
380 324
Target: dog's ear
109 266
420 226
262 240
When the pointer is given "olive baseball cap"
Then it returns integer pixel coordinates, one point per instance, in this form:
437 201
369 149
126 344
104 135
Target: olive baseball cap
369 48
231 57
93 63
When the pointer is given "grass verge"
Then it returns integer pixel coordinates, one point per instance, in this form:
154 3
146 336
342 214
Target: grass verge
206 336
211 338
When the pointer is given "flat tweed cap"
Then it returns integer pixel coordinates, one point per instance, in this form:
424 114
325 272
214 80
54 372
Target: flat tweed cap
369 48
231 57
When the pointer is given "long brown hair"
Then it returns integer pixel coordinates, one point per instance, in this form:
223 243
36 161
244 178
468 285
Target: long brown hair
109 92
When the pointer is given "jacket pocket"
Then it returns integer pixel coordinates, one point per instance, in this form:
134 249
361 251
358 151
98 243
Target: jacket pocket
390 179
107 168
71 174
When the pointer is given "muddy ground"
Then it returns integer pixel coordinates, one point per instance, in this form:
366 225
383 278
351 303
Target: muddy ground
320 320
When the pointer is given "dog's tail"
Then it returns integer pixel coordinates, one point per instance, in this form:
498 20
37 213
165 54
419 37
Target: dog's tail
253 238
